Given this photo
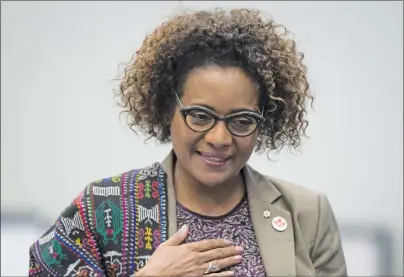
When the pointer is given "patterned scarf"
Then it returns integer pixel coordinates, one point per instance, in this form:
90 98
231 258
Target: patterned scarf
110 229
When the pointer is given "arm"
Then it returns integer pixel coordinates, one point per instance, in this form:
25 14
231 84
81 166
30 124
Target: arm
328 256
67 248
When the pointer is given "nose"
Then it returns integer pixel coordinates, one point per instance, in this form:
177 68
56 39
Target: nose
219 136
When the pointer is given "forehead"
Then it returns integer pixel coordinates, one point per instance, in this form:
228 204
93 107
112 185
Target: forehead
222 88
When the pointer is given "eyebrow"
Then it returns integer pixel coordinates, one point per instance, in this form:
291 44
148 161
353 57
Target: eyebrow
231 111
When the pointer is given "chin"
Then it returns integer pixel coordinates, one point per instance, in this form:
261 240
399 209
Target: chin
211 179
212 175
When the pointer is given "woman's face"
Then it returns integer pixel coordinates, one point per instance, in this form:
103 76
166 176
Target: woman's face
215 156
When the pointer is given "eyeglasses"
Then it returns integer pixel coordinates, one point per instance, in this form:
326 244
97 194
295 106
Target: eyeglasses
201 119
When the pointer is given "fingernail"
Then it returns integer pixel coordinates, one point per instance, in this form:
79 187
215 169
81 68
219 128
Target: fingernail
239 249
182 229
228 242
238 258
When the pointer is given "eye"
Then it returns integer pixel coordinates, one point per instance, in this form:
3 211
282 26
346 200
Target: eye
243 124
199 118
243 121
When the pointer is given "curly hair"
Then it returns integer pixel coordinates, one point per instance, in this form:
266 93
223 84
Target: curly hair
237 38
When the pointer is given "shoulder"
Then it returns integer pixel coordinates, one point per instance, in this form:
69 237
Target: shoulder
118 192
282 192
307 204
121 184
310 205
310 210
294 193
314 219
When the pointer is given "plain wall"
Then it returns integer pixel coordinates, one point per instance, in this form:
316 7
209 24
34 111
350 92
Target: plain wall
60 128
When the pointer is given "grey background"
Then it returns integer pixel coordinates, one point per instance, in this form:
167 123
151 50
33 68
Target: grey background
60 129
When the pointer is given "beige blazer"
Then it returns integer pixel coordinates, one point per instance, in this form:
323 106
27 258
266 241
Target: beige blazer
311 243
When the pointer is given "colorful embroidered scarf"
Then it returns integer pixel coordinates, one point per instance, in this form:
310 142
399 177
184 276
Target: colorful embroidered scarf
110 229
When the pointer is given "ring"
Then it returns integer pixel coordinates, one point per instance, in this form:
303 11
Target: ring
211 268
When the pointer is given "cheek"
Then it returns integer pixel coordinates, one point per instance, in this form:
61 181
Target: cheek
176 130
245 146
181 136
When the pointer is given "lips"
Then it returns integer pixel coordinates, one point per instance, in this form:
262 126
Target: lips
214 158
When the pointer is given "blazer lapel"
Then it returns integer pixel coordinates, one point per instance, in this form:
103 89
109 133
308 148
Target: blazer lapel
168 167
277 248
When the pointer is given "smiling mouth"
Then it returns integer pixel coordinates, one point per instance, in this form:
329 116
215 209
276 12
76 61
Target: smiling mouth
212 159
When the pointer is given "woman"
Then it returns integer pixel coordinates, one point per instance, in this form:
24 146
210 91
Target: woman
217 85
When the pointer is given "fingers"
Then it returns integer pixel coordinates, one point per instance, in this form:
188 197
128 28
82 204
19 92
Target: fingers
208 244
221 253
224 263
178 237
229 261
220 274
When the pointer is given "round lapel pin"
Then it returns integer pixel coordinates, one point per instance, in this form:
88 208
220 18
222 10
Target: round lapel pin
279 224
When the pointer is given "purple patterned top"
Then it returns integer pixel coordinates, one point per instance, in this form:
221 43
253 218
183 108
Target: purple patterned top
235 226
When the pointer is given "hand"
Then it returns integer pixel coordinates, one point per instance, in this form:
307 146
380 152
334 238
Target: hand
191 259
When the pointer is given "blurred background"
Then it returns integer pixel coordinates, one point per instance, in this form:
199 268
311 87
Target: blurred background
60 128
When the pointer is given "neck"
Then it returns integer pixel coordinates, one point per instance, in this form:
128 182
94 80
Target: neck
206 200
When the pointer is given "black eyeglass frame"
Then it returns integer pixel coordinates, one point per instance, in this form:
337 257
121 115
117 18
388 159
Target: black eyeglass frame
185 110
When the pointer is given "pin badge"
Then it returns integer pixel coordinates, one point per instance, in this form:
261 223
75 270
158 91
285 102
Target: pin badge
267 214
279 224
